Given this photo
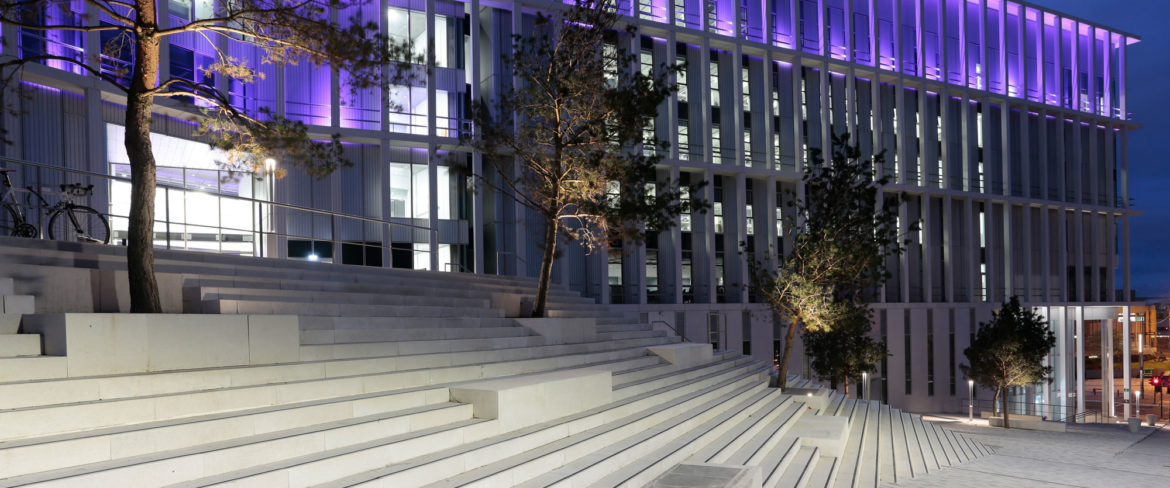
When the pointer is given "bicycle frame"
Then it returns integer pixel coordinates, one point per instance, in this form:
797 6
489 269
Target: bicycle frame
64 206
8 199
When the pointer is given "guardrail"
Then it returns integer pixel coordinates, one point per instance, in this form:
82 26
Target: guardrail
260 237
681 335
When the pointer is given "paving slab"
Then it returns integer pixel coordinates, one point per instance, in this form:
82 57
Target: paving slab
1087 455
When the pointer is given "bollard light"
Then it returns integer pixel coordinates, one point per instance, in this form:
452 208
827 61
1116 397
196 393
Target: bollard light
970 400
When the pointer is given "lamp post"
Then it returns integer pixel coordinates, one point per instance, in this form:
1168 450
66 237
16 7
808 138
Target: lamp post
270 180
1137 403
970 400
864 386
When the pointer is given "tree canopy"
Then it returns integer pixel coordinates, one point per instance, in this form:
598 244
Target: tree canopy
840 234
318 32
841 353
573 138
1009 350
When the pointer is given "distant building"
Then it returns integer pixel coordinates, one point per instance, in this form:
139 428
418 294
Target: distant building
1005 125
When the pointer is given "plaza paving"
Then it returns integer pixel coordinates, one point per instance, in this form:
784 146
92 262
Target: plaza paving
1088 455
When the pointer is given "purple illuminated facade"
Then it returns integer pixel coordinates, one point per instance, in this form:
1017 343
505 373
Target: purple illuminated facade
1005 127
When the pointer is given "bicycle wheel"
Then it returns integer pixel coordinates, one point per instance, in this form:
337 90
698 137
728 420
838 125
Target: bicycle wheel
17 227
90 226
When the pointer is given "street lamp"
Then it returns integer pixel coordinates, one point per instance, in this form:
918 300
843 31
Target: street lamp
270 179
864 386
970 400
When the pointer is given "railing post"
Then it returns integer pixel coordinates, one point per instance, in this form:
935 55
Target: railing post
167 215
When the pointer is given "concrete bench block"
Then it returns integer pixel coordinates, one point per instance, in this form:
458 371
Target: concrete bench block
16 345
562 331
828 433
706 475
817 398
685 354
18 304
1028 422
10 323
513 304
104 344
521 401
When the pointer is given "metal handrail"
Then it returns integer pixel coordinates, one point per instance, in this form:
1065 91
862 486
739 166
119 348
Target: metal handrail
1080 416
222 230
508 253
461 267
671 327
234 197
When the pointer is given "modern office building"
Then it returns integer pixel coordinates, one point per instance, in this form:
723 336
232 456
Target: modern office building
1005 127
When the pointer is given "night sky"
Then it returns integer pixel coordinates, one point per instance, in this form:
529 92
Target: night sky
1148 82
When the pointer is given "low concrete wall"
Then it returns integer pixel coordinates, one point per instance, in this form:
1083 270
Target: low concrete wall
817 398
106 343
61 289
684 354
521 401
1025 422
562 330
513 304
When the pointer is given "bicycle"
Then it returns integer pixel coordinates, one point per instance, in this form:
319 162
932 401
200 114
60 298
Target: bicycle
68 221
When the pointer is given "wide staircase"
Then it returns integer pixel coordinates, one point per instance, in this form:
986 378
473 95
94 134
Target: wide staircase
305 374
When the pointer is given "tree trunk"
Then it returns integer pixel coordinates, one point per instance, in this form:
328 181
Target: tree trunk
546 265
144 296
995 401
846 386
1006 424
782 381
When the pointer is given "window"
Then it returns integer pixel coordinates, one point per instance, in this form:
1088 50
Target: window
410 191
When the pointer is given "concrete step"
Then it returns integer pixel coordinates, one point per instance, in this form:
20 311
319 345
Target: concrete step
797 468
822 472
848 463
414 286
443 464
400 348
763 439
634 334
617 422
637 460
18 304
31 369
18 345
669 376
125 443
780 408
914 450
631 327
268 306
89 403
334 324
348 336
650 466
110 257
903 469
317 452
10 323
318 296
